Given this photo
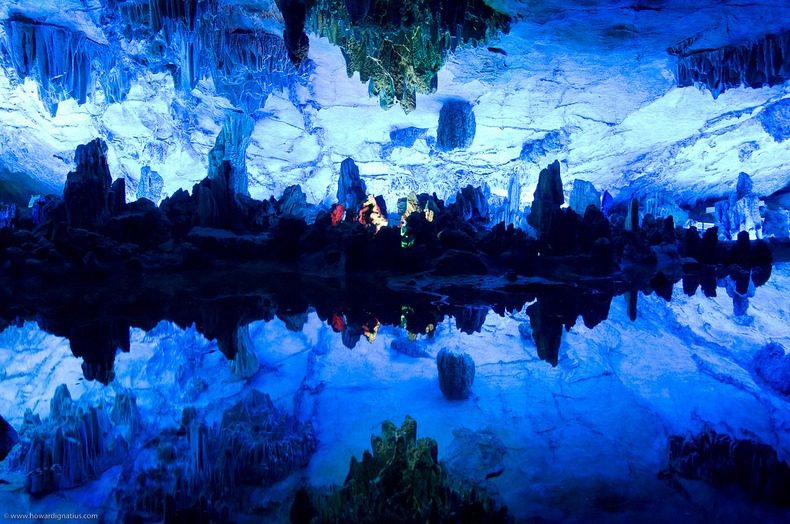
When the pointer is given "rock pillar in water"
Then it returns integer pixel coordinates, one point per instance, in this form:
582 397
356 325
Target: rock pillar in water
632 218
85 192
456 125
547 199
456 374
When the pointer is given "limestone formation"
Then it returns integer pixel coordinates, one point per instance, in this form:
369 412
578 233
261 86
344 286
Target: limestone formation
85 192
456 374
456 125
584 194
547 199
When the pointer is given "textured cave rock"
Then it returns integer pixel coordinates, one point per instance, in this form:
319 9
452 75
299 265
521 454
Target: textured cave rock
400 481
244 361
73 446
351 189
7 215
8 438
399 50
584 194
741 211
150 185
762 62
471 204
554 141
231 146
547 199
772 364
725 462
775 119
61 61
512 209
456 374
293 202
456 125
199 469
294 13
86 189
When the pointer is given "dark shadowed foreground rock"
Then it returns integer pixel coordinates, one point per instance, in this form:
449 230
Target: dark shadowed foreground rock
85 192
401 481
456 374
728 463
547 199
8 438
456 125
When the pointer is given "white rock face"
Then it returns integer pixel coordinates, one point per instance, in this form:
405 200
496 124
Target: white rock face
596 75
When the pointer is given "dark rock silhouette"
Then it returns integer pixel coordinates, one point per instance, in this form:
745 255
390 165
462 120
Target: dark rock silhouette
8 438
456 125
351 190
400 481
456 374
85 192
547 199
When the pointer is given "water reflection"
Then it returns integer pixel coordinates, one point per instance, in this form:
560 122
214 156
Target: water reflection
99 326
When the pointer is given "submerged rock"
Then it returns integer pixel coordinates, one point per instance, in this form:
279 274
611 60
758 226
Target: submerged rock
456 125
456 374
400 481
772 364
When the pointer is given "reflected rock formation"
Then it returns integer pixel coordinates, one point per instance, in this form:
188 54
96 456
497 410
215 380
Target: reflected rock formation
750 468
400 481
456 374
398 48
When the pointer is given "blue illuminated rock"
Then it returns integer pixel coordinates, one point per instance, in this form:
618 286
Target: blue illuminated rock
584 194
231 146
772 364
456 374
351 189
150 185
456 125
775 119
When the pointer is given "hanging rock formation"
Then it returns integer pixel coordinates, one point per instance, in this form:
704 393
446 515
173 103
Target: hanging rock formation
584 194
759 63
456 374
60 60
399 50
547 199
456 125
